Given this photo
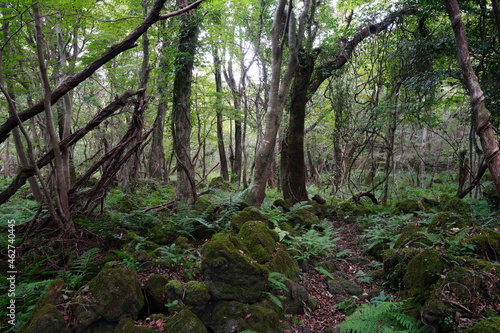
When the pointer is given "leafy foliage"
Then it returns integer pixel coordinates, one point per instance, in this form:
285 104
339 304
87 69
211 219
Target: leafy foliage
75 275
382 317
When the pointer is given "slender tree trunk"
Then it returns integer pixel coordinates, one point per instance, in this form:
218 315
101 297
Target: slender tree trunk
224 172
181 123
62 189
480 113
21 153
157 167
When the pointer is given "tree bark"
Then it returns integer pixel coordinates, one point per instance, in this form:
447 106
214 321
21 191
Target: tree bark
293 165
278 91
224 171
480 113
63 216
181 124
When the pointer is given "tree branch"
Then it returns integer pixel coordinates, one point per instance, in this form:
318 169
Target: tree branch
73 81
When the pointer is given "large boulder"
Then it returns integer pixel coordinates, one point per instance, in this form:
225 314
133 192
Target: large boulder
230 272
185 322
227 317
46 319
246 215
423 271
259 240
114 294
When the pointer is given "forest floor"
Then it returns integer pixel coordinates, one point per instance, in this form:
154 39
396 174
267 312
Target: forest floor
123 236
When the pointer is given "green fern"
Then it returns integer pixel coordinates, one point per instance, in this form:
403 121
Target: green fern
382 317
75 275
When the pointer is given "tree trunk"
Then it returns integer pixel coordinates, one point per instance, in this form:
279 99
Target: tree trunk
181 112
481 115
224 171
293 165
278 91
63 217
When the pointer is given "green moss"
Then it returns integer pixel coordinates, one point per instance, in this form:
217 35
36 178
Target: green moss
462 283
126 325
117 294
284 204
408 206
53 295
340 286
185 322
395 265
219 182
457 206
196 293
159 235
181 242
259 240
423 271
230 272
282 262
247 214
47 319
444 222
155 289
304 217
438 315
487 325
411 236
238 317
486 244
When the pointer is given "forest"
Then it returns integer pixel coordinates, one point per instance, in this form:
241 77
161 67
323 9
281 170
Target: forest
250 166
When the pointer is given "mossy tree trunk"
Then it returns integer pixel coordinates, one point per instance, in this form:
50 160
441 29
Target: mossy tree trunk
181 112
293 165
480 113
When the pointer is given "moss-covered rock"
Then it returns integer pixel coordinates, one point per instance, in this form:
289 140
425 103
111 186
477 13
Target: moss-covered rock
395 265
54 294
408 206
259 240
197 294
462 284
423 271
230 273
237 317
116 294
159 235
219 182
438 316
282 262
486 244
182 242
185 322
487 325
156 292
340 286
445 222
457 206
304 217
283 204
295 298
46 319
246 215
411 236
126 325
